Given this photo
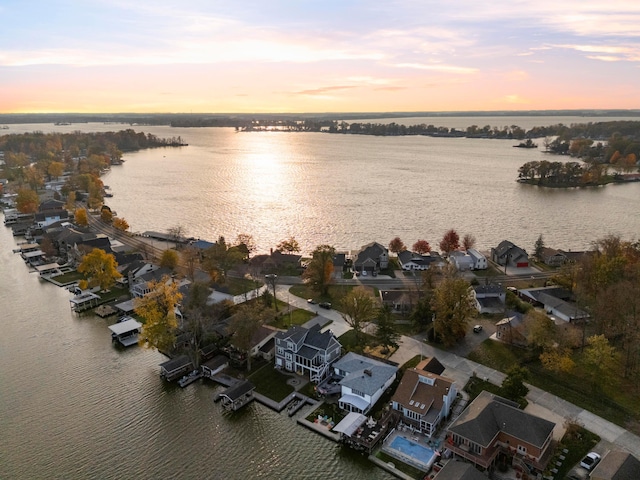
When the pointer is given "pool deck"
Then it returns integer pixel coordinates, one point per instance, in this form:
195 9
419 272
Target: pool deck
416 438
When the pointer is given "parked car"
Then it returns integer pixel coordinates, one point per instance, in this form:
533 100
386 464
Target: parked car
326 305
311 301
590 461
477 328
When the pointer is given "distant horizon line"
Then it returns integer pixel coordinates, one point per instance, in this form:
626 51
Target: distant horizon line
402 113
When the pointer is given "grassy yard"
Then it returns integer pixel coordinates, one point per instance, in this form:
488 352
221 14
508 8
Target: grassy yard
616 403
297 317
578 441
238 286
271 383
113 294
398 465
336 292
70 277
331 410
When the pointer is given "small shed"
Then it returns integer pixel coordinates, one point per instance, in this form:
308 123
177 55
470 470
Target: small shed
214 366
237 396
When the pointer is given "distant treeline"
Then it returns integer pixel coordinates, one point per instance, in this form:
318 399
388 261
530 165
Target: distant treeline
35 143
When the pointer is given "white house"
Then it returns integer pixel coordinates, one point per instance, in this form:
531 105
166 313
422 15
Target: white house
479 260
461 261
490 298
363 381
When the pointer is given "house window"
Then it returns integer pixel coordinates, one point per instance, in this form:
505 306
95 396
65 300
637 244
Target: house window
280 351
522 449
357 392
288 356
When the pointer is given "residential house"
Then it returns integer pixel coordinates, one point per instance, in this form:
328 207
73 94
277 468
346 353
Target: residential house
140 285
414 261
362 381
261 338
532 295
510 255
276 261
558 308
371 258
307 351
552 257
48 217
616 465
339 262
479 260
489 298
575 257
400 301
424 398
88 242
492 427
510 330
461 260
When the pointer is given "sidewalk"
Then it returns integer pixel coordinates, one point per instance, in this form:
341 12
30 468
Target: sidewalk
461 369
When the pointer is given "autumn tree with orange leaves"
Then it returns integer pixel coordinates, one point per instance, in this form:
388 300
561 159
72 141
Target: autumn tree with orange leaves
319 272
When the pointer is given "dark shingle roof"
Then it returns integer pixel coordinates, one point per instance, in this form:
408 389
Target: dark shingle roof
490 414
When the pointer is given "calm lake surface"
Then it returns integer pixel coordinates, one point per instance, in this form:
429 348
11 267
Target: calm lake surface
72 406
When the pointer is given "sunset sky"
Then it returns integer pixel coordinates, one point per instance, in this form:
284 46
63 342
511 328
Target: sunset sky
317 56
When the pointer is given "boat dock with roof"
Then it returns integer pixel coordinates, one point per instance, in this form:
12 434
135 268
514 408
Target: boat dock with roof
125 333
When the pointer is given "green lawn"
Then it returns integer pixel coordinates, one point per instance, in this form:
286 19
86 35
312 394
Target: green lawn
336 292
349 344
271 383
618 404
297 317
331 410
578 441
70 277
238 286
398 465
496 355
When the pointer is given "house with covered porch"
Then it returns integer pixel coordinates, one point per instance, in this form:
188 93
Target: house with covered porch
307 351
493 429
362 381
371 258
424 398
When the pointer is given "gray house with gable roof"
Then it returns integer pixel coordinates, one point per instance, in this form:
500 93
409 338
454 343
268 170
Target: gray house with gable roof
363 381
371 258
307 351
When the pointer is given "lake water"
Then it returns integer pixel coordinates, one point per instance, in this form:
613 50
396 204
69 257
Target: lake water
72 406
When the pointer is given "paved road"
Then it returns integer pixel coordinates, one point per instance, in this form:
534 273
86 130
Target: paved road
460 369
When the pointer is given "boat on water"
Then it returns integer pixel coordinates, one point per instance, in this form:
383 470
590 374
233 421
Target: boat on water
189 379
4 127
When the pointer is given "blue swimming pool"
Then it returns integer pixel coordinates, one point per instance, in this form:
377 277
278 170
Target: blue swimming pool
419 453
